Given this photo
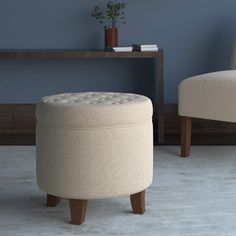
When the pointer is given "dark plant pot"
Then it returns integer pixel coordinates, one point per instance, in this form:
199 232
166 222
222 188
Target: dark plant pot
111 38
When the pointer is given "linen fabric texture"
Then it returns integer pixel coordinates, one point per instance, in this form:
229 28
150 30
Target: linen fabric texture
209 96
94 145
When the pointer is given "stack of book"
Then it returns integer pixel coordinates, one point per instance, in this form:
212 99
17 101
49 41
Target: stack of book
121 49
135 48
145 47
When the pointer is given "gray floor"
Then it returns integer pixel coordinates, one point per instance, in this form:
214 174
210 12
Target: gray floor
196 196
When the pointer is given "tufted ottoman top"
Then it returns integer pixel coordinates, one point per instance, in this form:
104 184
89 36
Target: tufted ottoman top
94 109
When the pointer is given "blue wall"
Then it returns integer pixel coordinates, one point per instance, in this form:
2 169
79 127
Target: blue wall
197 37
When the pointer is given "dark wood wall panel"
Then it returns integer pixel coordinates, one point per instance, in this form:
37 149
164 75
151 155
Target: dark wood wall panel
17 124
17 127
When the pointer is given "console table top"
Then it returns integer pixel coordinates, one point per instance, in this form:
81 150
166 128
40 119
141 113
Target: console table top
48 53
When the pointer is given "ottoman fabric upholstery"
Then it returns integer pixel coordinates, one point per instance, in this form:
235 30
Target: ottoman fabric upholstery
94 145
94 110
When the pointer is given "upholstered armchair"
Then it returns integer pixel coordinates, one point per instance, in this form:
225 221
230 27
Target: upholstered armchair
209 96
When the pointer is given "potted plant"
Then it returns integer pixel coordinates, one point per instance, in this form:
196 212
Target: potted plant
111 18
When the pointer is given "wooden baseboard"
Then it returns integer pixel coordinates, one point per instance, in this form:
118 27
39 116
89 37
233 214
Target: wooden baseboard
17 124
204 132
17 127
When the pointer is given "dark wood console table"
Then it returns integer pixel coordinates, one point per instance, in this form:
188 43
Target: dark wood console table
158 57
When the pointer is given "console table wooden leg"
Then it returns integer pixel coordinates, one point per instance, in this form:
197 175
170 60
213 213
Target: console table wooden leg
160 84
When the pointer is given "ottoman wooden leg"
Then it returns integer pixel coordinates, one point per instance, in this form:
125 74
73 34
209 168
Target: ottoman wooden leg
138 202
186 132
52 201
78 211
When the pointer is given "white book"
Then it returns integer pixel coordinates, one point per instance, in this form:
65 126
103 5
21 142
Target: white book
148 45
123 49
154 49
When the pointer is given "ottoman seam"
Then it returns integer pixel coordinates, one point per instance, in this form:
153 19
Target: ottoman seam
96 128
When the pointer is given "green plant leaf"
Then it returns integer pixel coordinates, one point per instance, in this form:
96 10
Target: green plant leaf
114 14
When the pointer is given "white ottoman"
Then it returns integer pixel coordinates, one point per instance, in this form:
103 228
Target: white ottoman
92 146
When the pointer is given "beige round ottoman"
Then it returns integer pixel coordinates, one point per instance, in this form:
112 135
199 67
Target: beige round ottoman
93 146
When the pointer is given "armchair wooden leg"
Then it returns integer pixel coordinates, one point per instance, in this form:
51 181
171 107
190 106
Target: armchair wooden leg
186 133
78 211
52 201
138 202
